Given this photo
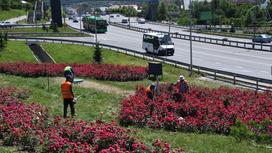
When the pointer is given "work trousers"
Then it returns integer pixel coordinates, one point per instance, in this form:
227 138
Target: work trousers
67 102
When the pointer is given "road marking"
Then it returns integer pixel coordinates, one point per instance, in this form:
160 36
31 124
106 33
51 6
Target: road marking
246 71
239 67
263 71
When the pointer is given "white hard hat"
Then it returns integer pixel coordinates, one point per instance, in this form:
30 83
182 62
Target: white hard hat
181 77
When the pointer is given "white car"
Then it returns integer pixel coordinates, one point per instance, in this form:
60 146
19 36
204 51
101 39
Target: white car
6 24
141 21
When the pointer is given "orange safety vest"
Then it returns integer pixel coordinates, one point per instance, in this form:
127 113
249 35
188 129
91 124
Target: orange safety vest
66 90
148 89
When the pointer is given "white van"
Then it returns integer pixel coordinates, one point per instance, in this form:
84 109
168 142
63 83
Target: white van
158 43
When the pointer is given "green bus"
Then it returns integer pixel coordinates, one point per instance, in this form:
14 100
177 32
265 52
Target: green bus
89 23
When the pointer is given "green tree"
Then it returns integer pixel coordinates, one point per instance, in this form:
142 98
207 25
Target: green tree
144 10
97 56
161 12
5 5
3 40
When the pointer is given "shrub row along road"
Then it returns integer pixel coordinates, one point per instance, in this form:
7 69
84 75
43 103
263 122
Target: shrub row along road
242 61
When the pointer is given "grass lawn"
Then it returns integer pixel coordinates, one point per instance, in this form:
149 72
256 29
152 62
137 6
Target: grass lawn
16 51
83 54
38 29
96 104
4 15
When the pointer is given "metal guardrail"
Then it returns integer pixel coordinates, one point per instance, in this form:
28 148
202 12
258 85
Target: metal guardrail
235 78
22 25
216 41
167 24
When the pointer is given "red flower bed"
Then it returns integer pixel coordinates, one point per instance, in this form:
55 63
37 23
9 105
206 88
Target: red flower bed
97 71
29 126
205 110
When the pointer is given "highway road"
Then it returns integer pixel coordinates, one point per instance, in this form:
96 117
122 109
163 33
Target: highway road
242 61
14 20
166 28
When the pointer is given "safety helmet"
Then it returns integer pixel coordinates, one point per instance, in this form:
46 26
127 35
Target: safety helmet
68 68
181 77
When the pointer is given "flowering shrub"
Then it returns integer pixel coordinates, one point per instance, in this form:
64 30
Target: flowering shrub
97 71
30 126
203 109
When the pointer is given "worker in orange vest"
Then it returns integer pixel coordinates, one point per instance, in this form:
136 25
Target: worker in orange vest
150 91
68 96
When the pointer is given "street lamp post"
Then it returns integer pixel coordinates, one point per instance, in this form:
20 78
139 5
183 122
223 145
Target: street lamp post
80 20
129 11
254 22
191 48
95 24
169 25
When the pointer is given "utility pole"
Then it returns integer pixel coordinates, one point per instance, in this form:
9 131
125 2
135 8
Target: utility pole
254 22
109 10
129 11
95 23
191 48
169 25
80 20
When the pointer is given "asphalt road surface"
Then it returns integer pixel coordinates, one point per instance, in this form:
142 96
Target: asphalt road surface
242 61
166 28
14 20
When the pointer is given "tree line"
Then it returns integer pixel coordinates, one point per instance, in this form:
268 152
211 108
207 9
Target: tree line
215 12
6 5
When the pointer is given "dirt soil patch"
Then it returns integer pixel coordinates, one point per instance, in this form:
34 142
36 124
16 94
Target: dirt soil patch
97 86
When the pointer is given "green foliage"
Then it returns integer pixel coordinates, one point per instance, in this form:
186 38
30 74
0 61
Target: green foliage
4 15
3 40
144 11
252 131
161 12
16 51
228 12
29 142
127 11
240 131
97 56
54 27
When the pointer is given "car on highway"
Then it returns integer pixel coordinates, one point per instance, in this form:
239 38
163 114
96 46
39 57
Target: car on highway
263 38
117 15
6 24
141 21
125 20
75 20
70 17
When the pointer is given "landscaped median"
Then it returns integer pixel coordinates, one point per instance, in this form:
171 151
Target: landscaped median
97 71
245 114
31 127
98 104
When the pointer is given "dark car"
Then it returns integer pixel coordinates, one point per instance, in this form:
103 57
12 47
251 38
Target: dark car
262 38
70 17
124 21
75 20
